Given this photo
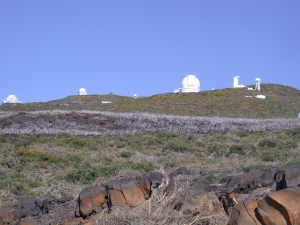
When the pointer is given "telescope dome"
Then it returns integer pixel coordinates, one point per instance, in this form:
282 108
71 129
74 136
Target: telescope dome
11 99
190 84
82 91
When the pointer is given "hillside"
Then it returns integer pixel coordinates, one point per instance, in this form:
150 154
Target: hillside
281 102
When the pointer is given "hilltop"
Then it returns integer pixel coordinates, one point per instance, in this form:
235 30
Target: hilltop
281 102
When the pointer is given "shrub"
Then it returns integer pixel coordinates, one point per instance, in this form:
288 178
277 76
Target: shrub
237 149
30 153
267 143
242 134
84 176
126 154
2 139
74 141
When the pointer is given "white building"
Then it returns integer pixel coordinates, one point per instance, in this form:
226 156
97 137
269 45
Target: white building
236 82
11 99
134 96
189 84
82 91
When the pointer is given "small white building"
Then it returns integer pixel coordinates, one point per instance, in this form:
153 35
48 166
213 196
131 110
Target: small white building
189 84
82 91
134 96
11 99
236 82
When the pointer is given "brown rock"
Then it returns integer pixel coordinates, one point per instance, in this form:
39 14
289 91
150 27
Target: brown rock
281 207
145 185
117 198
199 200
89 200
243 213
133 193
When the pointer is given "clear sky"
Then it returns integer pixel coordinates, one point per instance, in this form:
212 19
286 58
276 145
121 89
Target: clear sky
51 48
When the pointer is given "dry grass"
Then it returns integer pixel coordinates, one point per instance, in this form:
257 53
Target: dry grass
160 209
107 123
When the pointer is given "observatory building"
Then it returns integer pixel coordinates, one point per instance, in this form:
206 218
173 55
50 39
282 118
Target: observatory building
11 99
82 91
189 84
236 82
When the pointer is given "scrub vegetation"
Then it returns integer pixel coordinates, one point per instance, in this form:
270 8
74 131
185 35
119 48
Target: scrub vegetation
31 165
65 145
282 102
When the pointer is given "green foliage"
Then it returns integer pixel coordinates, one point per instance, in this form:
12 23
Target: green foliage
267 143
84 160
237 149
2 139
126 154
82 175
73 141
33 153
242 134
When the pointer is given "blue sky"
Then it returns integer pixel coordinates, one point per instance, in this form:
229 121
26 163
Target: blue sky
51 48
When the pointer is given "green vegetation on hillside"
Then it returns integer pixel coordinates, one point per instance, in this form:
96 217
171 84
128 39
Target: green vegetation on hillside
281 102
30 165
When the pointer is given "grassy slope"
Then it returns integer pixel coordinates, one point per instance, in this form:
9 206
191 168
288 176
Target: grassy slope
281 102
34 165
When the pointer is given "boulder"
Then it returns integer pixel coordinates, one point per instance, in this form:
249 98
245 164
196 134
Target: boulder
116 198
180 171
183 171
133 193
243 213
29 207
90 200
197 199
148 181
288 176
242 183
281 207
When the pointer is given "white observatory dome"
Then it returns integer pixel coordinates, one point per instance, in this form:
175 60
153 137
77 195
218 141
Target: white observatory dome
190 84
11 99
82 91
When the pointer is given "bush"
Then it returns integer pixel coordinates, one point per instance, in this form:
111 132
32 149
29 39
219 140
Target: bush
267 143
74 141
2 139
84 176
30 153
237 149
242 134
126 154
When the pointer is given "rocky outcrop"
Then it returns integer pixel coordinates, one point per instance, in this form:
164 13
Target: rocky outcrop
117 193
280 207
44 210
262 195
198 199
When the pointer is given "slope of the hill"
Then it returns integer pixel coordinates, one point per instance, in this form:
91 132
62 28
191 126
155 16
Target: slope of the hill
281 102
